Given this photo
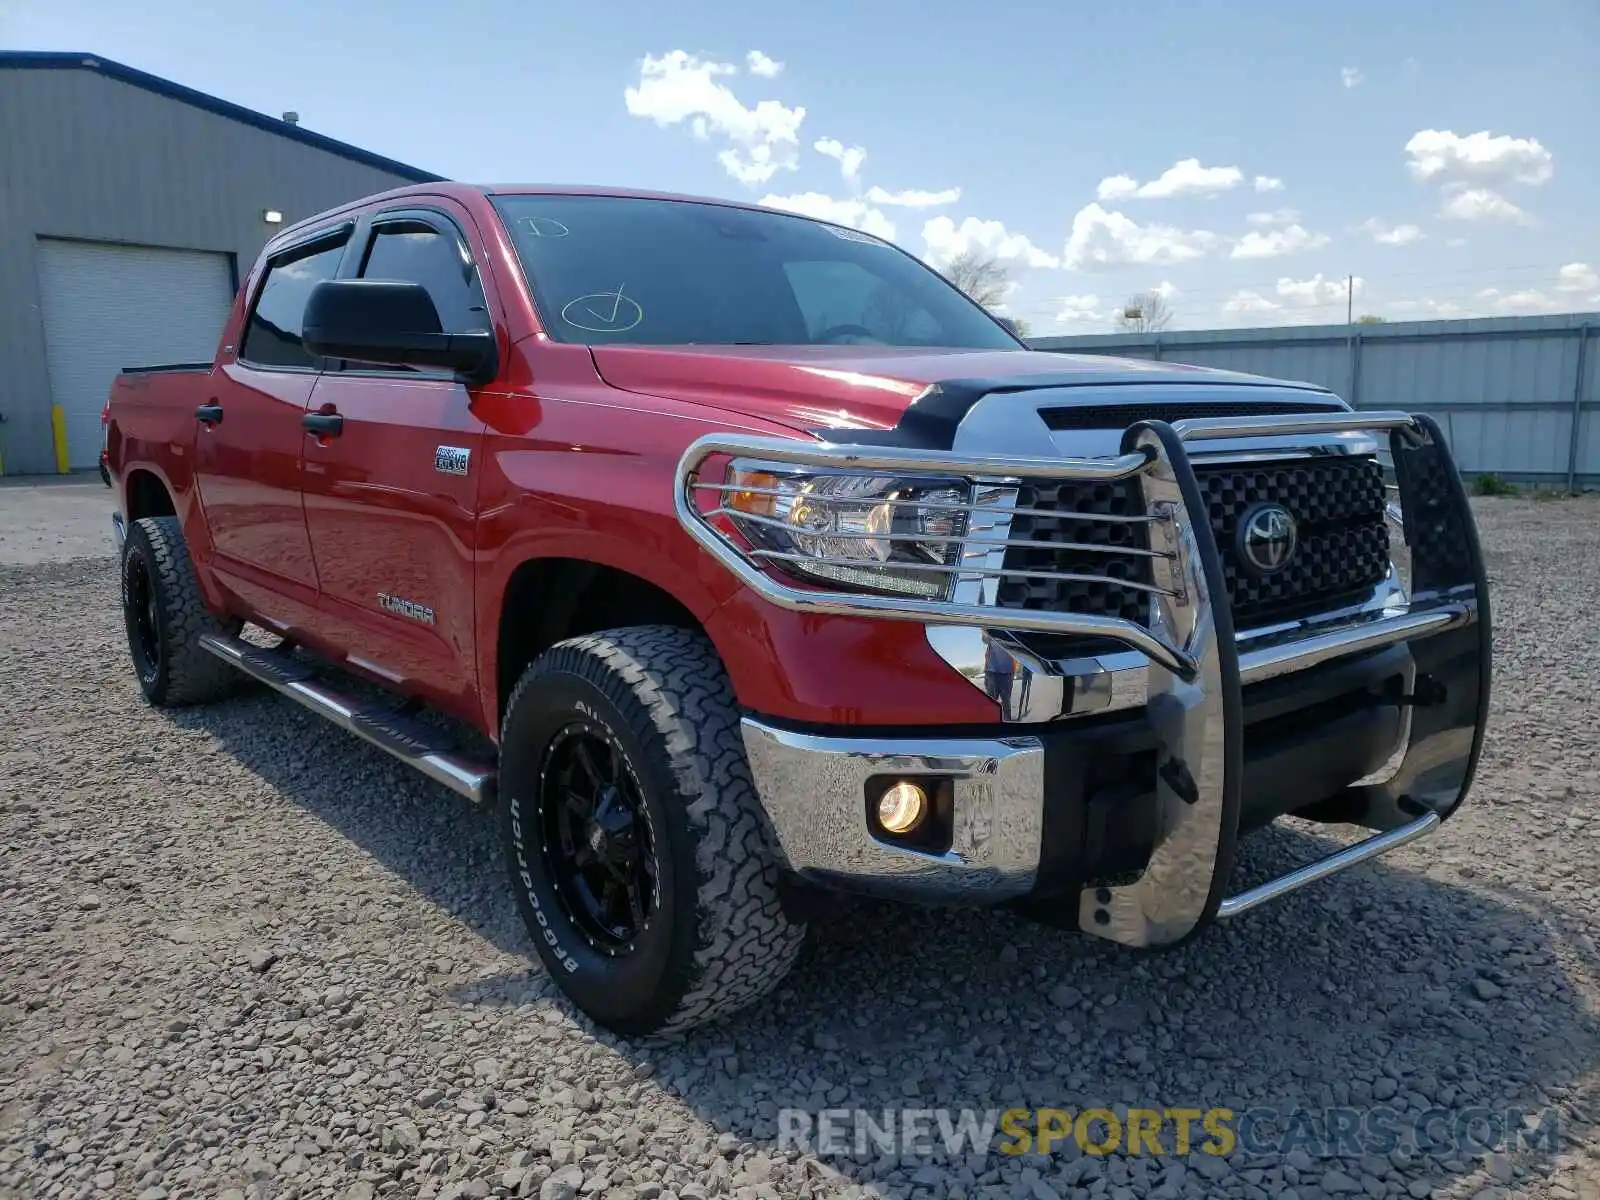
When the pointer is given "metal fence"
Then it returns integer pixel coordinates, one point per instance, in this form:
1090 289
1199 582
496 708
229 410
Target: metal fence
1517 396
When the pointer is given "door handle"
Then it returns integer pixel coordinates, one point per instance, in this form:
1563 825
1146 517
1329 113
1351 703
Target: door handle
323 424
209 414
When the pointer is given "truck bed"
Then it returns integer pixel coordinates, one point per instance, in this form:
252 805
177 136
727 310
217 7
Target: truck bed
151 419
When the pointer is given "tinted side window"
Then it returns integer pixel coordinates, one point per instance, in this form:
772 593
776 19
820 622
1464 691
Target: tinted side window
415 253
840 299
272 335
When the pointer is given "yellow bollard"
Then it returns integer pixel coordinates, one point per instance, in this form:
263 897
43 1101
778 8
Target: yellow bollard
58 427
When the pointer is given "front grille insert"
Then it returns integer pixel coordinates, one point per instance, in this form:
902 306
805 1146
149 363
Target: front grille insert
1337 503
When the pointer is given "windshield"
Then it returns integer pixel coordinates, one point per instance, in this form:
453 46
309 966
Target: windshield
609 269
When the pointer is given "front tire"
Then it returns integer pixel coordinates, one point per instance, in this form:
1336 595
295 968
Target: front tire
165 616
643 864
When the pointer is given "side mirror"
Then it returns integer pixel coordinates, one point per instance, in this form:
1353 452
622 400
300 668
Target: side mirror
394 323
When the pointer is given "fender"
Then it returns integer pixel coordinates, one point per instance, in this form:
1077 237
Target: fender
156 438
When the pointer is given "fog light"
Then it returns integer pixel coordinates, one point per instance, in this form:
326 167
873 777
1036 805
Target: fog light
901 808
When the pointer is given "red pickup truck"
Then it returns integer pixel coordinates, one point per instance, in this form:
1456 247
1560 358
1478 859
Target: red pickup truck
770 564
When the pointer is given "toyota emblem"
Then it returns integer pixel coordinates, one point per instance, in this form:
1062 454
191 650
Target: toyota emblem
1267 538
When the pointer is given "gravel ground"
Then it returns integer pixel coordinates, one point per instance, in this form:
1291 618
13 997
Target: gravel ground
243 954
53 519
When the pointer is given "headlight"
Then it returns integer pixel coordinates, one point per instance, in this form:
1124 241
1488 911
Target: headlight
877 532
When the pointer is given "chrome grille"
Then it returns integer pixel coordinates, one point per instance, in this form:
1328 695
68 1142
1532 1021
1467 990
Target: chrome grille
1338 503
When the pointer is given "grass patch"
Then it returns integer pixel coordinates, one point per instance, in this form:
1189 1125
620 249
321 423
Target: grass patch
1490 484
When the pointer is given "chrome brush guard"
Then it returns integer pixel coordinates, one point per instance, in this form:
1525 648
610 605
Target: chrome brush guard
1195 674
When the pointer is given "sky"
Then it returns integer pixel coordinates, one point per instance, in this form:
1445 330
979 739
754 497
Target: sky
1242 159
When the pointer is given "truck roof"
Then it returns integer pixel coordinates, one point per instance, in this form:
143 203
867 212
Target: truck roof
462 191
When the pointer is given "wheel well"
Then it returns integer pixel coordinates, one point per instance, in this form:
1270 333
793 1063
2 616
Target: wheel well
551 599
148 497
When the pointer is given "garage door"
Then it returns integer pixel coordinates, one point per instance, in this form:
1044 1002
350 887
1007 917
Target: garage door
106 307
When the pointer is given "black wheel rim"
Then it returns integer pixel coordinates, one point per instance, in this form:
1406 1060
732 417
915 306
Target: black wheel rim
598 840
144 627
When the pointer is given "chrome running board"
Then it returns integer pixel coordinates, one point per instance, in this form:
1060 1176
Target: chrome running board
413 742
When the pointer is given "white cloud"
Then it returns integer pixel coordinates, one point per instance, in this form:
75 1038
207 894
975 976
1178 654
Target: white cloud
1577 277
1184 178
1527 300
1166 289
849 158
1455 242
1078 310
678 87
751 167
1463 203
1305 293
1386 235
1117 187
946 240
763 65
1441 154
1297 302
913 197
1572 283
1102 239
1249 302
1281 216
1268 183
857 214
1425 307
1351 76
1291 239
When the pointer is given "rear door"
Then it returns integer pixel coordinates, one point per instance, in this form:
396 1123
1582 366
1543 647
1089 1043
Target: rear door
390 500
249 444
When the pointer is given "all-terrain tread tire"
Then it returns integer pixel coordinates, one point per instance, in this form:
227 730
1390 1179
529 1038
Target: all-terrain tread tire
190 674
671 685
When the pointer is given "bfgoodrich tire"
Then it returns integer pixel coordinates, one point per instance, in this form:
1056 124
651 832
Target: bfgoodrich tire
165 616
641 859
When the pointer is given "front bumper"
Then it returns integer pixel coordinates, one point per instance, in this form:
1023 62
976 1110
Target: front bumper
1011 831
1041 814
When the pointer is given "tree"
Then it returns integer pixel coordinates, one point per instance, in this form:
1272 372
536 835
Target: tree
985 280
983 277
1370 319
1145 312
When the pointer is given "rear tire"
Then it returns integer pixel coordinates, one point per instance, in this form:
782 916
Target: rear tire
699 932
165 616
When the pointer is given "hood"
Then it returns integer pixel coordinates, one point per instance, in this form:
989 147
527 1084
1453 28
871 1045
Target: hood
860 387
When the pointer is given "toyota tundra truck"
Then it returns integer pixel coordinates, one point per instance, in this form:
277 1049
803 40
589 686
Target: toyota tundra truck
736 557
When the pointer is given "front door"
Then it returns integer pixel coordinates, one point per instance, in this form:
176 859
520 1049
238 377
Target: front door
250 440
391 494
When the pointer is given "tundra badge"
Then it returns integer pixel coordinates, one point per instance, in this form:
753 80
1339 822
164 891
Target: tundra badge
402 607
451 460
